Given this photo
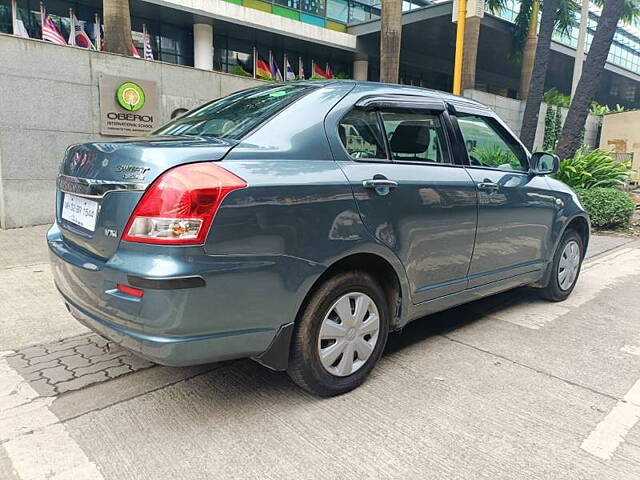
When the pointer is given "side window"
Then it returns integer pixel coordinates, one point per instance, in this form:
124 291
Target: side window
416 137
361 136
487 148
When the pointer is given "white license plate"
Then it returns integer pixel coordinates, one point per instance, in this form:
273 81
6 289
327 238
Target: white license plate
80 211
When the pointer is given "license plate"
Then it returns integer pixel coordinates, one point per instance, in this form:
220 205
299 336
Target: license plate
80 211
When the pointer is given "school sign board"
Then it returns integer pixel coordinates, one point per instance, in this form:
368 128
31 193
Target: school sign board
128 107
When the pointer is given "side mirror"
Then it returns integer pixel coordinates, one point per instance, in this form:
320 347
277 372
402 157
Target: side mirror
543 163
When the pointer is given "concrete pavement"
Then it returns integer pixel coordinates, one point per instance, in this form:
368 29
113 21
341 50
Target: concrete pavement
507 387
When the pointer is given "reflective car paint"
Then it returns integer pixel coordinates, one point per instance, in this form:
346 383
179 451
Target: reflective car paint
303 212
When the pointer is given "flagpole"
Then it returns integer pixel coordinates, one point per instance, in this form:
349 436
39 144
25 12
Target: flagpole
255 61
98 35
300 69
14 17
284 66
72 34
42 15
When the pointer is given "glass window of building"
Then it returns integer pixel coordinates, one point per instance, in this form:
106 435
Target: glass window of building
295 4
338 10
314 7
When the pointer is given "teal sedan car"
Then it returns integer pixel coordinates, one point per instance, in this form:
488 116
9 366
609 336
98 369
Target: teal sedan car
298 224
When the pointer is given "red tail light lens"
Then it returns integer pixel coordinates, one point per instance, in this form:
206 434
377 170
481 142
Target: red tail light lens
179 206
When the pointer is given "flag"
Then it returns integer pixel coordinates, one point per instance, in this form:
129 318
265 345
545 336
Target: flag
51 33
300 69
134 50
329 72
98 37
19 30
148 52
78 36
288 75
275 71
262 69
319 72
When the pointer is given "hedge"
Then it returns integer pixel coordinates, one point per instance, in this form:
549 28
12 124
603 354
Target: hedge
607 207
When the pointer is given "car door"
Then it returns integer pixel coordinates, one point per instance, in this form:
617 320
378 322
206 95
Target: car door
410 193
515 209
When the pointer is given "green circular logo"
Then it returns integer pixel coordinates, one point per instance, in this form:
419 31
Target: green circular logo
130 96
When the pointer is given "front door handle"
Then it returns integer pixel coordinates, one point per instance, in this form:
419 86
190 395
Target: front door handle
490 186
379 183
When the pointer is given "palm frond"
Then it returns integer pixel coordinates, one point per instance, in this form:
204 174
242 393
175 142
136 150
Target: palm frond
630 10
495 6
567 17
521 28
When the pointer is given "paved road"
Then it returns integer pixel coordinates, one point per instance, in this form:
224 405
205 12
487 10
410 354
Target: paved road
505 388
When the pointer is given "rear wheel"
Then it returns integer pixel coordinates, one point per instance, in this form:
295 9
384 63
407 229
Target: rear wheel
567 262
339 335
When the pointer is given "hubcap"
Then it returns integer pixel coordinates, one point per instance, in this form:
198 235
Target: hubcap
348 334
569 265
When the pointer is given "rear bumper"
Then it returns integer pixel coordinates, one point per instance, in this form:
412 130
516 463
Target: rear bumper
174 351
237 311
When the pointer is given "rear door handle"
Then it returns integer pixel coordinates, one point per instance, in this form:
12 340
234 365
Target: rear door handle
379 183
490 186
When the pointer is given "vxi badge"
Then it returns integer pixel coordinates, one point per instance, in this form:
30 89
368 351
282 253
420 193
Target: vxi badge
127 106
130 96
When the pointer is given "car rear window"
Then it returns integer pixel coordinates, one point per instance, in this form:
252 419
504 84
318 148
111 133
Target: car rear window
236 115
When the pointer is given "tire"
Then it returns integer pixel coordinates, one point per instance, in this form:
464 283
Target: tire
555 290
346 290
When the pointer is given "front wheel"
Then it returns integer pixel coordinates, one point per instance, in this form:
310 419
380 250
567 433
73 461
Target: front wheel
339 335
565 269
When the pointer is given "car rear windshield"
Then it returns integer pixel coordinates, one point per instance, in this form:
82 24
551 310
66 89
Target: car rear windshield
236 115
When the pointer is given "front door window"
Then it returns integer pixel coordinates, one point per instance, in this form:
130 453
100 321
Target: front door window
488 146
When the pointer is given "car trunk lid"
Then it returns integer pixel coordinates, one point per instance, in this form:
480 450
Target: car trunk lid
100 183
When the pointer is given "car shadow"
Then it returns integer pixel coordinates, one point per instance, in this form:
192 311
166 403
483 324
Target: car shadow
278 386
454 318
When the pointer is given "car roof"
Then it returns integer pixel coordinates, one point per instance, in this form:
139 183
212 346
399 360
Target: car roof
373 88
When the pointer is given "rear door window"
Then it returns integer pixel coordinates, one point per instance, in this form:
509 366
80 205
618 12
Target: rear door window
416 137
361 136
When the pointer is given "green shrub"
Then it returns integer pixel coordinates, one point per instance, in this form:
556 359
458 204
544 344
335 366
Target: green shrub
607 207
555 97
238 70
596 168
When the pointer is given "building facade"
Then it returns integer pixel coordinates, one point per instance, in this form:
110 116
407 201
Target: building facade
226 35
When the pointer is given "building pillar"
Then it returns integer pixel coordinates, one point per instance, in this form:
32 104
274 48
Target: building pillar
203 46
361 67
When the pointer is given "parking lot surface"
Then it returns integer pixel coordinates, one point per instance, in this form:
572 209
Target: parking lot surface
508 387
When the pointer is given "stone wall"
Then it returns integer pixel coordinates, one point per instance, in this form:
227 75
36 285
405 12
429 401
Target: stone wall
511 111
49 99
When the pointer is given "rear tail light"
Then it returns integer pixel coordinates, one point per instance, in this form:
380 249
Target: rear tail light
179 206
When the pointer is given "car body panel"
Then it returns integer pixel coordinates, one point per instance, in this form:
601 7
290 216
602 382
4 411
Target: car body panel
429 220
302 213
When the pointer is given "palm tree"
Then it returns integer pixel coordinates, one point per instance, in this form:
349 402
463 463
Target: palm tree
538 73
390 36
117 26
525 34
471 41
612 12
